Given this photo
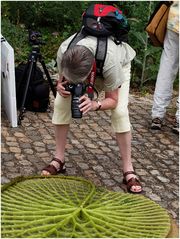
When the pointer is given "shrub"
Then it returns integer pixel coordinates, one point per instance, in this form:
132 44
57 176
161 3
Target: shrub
17 38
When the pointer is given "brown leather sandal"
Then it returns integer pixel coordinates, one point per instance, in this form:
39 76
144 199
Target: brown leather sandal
53 170
131 182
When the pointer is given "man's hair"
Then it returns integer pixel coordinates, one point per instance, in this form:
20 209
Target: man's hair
76 63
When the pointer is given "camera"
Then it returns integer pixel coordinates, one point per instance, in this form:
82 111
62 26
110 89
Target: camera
77 90
34 38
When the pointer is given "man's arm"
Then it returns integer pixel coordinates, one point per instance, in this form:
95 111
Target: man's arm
108 103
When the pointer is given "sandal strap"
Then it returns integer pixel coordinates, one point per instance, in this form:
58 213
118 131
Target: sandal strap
133 182
61 164
51 169
128 172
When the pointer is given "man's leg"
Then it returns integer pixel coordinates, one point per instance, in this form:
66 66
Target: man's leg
124 143
122 127
61 132
61 120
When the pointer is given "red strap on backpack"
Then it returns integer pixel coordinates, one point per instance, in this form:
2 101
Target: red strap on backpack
91 81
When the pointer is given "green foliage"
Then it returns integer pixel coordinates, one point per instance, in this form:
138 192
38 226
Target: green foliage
146 63
17 37
71 207
35 14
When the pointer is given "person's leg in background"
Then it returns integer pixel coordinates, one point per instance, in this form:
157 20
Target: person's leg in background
168 69
122 127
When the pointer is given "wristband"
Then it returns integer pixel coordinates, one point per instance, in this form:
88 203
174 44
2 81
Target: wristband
99 106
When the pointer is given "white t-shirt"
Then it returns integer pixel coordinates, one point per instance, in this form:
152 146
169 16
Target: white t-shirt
116 58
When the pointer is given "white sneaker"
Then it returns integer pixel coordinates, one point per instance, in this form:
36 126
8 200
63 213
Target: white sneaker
175 128
156 123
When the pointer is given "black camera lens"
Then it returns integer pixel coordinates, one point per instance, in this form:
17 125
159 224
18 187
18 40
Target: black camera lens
77 91
76 113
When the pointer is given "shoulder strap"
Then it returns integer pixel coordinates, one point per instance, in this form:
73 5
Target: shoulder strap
100 56
79 36
101 49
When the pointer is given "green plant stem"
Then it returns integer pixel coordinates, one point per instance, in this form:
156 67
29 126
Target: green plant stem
145 50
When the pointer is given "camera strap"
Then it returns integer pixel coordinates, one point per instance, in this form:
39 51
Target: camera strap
91 81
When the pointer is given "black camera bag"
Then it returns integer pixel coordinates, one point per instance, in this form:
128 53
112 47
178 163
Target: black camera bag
37 98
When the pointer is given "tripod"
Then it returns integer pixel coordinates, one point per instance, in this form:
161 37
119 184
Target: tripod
29 71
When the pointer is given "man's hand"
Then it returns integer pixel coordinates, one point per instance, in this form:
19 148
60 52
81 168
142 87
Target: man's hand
61 89
86 104
110 102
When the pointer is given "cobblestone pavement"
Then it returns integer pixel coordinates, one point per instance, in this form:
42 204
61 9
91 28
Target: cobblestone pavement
92 151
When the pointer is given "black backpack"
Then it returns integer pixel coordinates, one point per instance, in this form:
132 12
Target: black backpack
37 98
101 21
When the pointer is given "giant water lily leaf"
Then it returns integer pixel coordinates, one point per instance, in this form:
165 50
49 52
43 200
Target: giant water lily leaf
66 207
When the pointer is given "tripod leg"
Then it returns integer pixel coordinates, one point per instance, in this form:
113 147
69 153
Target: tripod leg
22 108
48 77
